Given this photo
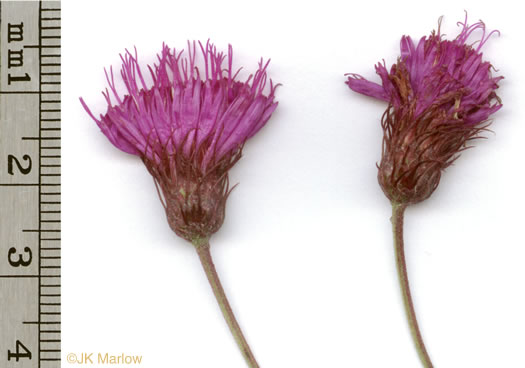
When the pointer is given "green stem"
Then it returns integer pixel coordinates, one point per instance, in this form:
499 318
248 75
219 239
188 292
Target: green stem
203 250
398 211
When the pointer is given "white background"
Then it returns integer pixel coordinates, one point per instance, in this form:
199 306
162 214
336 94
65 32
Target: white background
305 253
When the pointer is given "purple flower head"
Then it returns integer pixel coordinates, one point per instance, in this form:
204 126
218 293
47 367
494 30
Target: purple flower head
189 127
440 94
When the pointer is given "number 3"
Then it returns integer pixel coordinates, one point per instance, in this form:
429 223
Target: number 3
21 261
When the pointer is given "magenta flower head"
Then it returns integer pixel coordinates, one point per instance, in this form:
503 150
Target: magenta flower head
189 128
441 94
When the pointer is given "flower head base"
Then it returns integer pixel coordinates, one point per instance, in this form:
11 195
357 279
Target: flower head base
440 95
189 128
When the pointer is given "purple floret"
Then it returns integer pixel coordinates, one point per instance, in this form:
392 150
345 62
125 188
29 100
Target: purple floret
450 74
186 107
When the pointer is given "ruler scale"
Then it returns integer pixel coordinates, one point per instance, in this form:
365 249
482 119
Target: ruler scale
30 150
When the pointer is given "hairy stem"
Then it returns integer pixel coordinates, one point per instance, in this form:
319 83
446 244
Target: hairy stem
203 250
398 211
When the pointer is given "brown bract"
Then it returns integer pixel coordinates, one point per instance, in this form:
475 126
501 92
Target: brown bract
416 148
194 198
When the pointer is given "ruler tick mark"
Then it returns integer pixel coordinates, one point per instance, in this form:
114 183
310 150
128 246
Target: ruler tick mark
38 231
18 185
42 46
19 276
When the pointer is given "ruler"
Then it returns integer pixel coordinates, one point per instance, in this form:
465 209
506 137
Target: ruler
30 332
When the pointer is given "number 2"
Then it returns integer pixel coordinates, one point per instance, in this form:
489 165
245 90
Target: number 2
23 170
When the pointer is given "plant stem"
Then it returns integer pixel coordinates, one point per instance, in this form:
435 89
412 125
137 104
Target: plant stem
398 211
203 250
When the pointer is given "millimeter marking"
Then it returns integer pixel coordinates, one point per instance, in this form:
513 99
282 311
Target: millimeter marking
30 169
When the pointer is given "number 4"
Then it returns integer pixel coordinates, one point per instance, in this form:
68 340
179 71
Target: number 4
18 355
